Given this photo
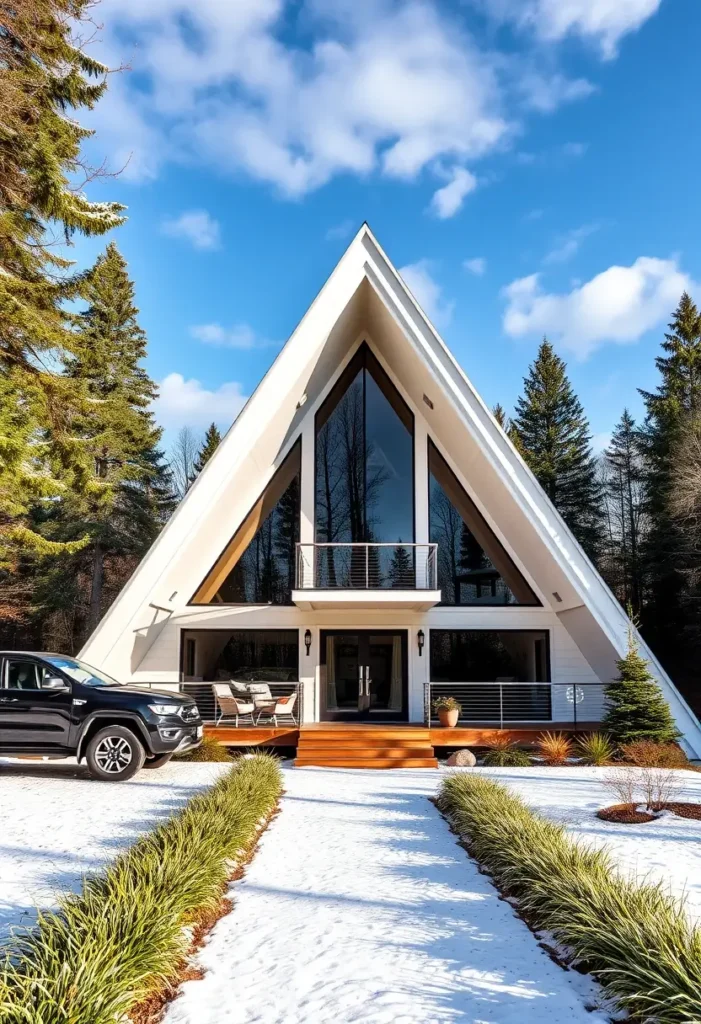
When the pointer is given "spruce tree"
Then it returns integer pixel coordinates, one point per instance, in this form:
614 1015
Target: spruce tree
128 496
401 569
635 706
212 440
668 614
624 477
554 439
44 79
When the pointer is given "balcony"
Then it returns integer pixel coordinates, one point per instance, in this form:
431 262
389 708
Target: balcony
366 575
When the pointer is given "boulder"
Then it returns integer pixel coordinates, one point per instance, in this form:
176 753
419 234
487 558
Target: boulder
462 759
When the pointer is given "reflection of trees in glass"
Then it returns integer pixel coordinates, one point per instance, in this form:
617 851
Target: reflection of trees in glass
348 485
401 569
265 571
466 575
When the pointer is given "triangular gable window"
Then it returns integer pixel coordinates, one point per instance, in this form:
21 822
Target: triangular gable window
473 567
258 564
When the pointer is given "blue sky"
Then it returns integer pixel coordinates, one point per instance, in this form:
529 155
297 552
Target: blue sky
534 163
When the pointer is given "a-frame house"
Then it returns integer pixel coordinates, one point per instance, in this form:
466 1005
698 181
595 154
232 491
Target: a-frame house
367 538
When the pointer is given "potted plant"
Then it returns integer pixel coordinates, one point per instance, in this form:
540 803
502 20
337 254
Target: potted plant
448 710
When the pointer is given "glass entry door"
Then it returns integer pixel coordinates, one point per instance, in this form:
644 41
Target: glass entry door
364 675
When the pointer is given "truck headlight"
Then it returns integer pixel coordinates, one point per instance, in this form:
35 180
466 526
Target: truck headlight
165 709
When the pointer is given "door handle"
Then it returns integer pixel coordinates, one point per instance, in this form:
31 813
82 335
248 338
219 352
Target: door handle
8 700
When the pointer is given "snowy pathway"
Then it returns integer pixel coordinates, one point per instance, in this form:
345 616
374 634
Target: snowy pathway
360 907
56 823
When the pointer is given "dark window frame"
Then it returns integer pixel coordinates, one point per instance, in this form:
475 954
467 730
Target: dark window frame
536 602
544 631
185 630
365 358
295 450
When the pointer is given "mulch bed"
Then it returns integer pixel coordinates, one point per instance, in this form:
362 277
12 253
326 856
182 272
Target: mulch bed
627 814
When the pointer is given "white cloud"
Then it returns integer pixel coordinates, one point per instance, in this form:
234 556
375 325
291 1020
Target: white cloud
603 22
619 305
601 441
186 403
340 231
546 93
195 226
374 86
240 336
477 266
428 293
447 201
568 244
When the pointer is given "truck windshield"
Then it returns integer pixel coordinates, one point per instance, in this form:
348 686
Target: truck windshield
81 672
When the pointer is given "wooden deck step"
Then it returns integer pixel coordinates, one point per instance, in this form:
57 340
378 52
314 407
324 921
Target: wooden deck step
366 762
352 745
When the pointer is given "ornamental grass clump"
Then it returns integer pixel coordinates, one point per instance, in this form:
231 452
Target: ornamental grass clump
554 747
634 938
595 749
124 938
208 750
503 753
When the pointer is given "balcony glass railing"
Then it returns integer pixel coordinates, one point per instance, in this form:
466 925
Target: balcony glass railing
361 566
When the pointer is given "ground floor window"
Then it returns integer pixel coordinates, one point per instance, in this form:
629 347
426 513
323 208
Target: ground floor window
494 674
269 655
486 655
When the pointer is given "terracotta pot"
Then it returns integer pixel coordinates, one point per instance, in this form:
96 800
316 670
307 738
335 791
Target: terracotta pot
448 719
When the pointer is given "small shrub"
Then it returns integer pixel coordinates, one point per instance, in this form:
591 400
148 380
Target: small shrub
209 750
555 748
446 704
595 749
635 938
624 784
649 754
660 786
505 754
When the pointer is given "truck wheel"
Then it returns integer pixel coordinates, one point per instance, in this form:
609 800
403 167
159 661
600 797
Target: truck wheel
114 754
158 761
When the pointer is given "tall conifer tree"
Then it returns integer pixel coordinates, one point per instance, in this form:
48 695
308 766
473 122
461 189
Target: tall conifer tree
44 79
676 400
624 479
128 496
554 439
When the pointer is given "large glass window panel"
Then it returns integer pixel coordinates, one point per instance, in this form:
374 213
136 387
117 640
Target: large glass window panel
483 655
261 654
258 565
364 478
473 567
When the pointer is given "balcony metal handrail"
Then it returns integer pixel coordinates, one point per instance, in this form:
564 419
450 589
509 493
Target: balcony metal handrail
203 694
366 565
501 703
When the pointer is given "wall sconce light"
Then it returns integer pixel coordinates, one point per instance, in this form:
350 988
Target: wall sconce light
421 640
308 640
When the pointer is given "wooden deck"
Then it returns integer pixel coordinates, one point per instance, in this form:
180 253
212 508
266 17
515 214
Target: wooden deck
402 744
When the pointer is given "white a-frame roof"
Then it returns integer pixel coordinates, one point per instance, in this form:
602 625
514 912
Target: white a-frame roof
366 299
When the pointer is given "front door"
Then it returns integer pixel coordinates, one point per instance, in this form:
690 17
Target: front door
364 675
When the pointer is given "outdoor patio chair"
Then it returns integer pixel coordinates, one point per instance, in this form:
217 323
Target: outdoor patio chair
229 706
278 707
260 692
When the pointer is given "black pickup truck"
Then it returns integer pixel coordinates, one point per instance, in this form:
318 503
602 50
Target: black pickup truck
57 706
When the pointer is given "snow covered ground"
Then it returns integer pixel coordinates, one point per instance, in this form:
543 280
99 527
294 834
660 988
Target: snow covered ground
58 823
668 849
359 906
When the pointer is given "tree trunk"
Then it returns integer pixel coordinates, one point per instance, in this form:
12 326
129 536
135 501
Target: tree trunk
98 560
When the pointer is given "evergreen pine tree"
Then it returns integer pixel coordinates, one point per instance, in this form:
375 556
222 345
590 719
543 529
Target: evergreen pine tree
635 706
44 79
212 440
401 569
667 614
623 471
128 496
554 439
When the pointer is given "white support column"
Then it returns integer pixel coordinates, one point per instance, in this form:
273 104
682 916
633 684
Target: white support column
421 481
309 673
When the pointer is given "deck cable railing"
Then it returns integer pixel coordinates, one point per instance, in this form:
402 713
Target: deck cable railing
503 703
367 566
